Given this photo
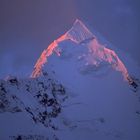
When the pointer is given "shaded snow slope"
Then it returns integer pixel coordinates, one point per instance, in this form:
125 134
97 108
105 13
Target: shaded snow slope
32 101
82 107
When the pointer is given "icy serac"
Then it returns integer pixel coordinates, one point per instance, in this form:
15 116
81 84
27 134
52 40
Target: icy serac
95 55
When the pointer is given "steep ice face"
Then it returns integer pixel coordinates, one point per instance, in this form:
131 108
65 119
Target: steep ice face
95 53
79 32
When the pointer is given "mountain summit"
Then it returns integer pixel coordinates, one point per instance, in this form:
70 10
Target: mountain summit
94 56
79 32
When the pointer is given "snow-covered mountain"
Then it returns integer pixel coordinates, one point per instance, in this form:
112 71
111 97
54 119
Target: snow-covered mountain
79 89
85 49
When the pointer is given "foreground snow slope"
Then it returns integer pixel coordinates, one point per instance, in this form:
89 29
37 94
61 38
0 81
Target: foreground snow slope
88 108
29 106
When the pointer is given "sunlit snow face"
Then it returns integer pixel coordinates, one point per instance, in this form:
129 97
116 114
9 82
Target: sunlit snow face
83 57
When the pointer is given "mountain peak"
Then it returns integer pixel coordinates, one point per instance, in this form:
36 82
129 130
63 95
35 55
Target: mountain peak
96 53
77 21
79 32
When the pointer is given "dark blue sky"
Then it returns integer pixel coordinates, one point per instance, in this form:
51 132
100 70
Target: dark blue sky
29 26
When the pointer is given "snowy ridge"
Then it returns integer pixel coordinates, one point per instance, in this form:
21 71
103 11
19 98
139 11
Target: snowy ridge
77 33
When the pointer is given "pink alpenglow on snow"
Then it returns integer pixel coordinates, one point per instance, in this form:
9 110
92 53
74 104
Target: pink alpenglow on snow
97 53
